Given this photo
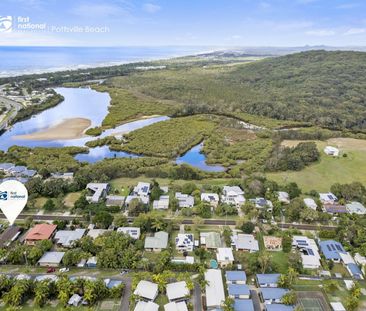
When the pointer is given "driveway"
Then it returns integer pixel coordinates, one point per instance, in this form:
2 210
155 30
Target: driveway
197 298
125 301
256 301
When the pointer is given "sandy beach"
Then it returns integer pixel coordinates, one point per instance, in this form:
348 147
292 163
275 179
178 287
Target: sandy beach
67 129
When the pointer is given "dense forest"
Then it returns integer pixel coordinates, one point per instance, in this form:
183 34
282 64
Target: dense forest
327 89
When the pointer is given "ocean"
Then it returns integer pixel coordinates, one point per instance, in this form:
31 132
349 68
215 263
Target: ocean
25 60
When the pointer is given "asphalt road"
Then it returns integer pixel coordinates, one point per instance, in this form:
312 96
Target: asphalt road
212 222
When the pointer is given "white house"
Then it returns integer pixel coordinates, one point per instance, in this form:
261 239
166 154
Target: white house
309 251
146 306
212 198
51 259
215 294
176 306
66 238
233 195
133 232
356 208
328 198
184 242
98 192
310 203
142 189
332 151
157 242
283 197
225 256
177 291
162 203
337 306
147 290
184 200
245 242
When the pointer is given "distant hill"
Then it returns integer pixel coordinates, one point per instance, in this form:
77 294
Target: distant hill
325 88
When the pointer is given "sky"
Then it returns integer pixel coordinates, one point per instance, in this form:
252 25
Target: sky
183 22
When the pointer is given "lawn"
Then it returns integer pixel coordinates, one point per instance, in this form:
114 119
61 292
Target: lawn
280 260
71 198
320 176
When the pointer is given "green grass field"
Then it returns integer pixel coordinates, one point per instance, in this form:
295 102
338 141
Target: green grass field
320 176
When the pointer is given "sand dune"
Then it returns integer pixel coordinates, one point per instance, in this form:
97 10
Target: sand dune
67 129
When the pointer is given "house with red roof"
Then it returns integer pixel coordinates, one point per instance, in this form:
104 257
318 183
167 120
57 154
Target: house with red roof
40 232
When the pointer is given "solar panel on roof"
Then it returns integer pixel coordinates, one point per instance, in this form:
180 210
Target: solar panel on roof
329 248
339 248
310 251
330 197
333 248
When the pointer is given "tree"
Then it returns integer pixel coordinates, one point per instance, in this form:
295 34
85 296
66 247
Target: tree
81 203
94 291
188 188
289 298
42 292
228 304
103 219
308 215
156 192
227 233
135 207
248 227
120 220
286 243
49 205
293 190
264 260
287 280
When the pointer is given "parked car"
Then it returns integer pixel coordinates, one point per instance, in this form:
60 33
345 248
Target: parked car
62 270
50 270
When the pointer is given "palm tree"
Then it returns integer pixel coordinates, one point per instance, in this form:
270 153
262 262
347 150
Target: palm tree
41 293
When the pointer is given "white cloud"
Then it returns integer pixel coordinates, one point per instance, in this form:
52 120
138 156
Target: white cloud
292 25
320 32
354 31
91 10
151 8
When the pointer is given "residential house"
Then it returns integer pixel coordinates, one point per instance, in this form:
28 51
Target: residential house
142 189
328 198
9 235
143 200
176 306
162 203
94 233
17 170
98 192
92 262
184 242
146 306
157 242
182 260
75 300
335 208
238 291
309 251
243 305
261 203
6 167
51 259
184 200
236 277
224 256
310 203
331 250
332 151
233 195
210 240
212 198
272 243
272 295
67 238
215 294
40 232
146 290
283 197
177 291
133 232
356 208
245 242
337 306
351 266
268 280
115 200
361 260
